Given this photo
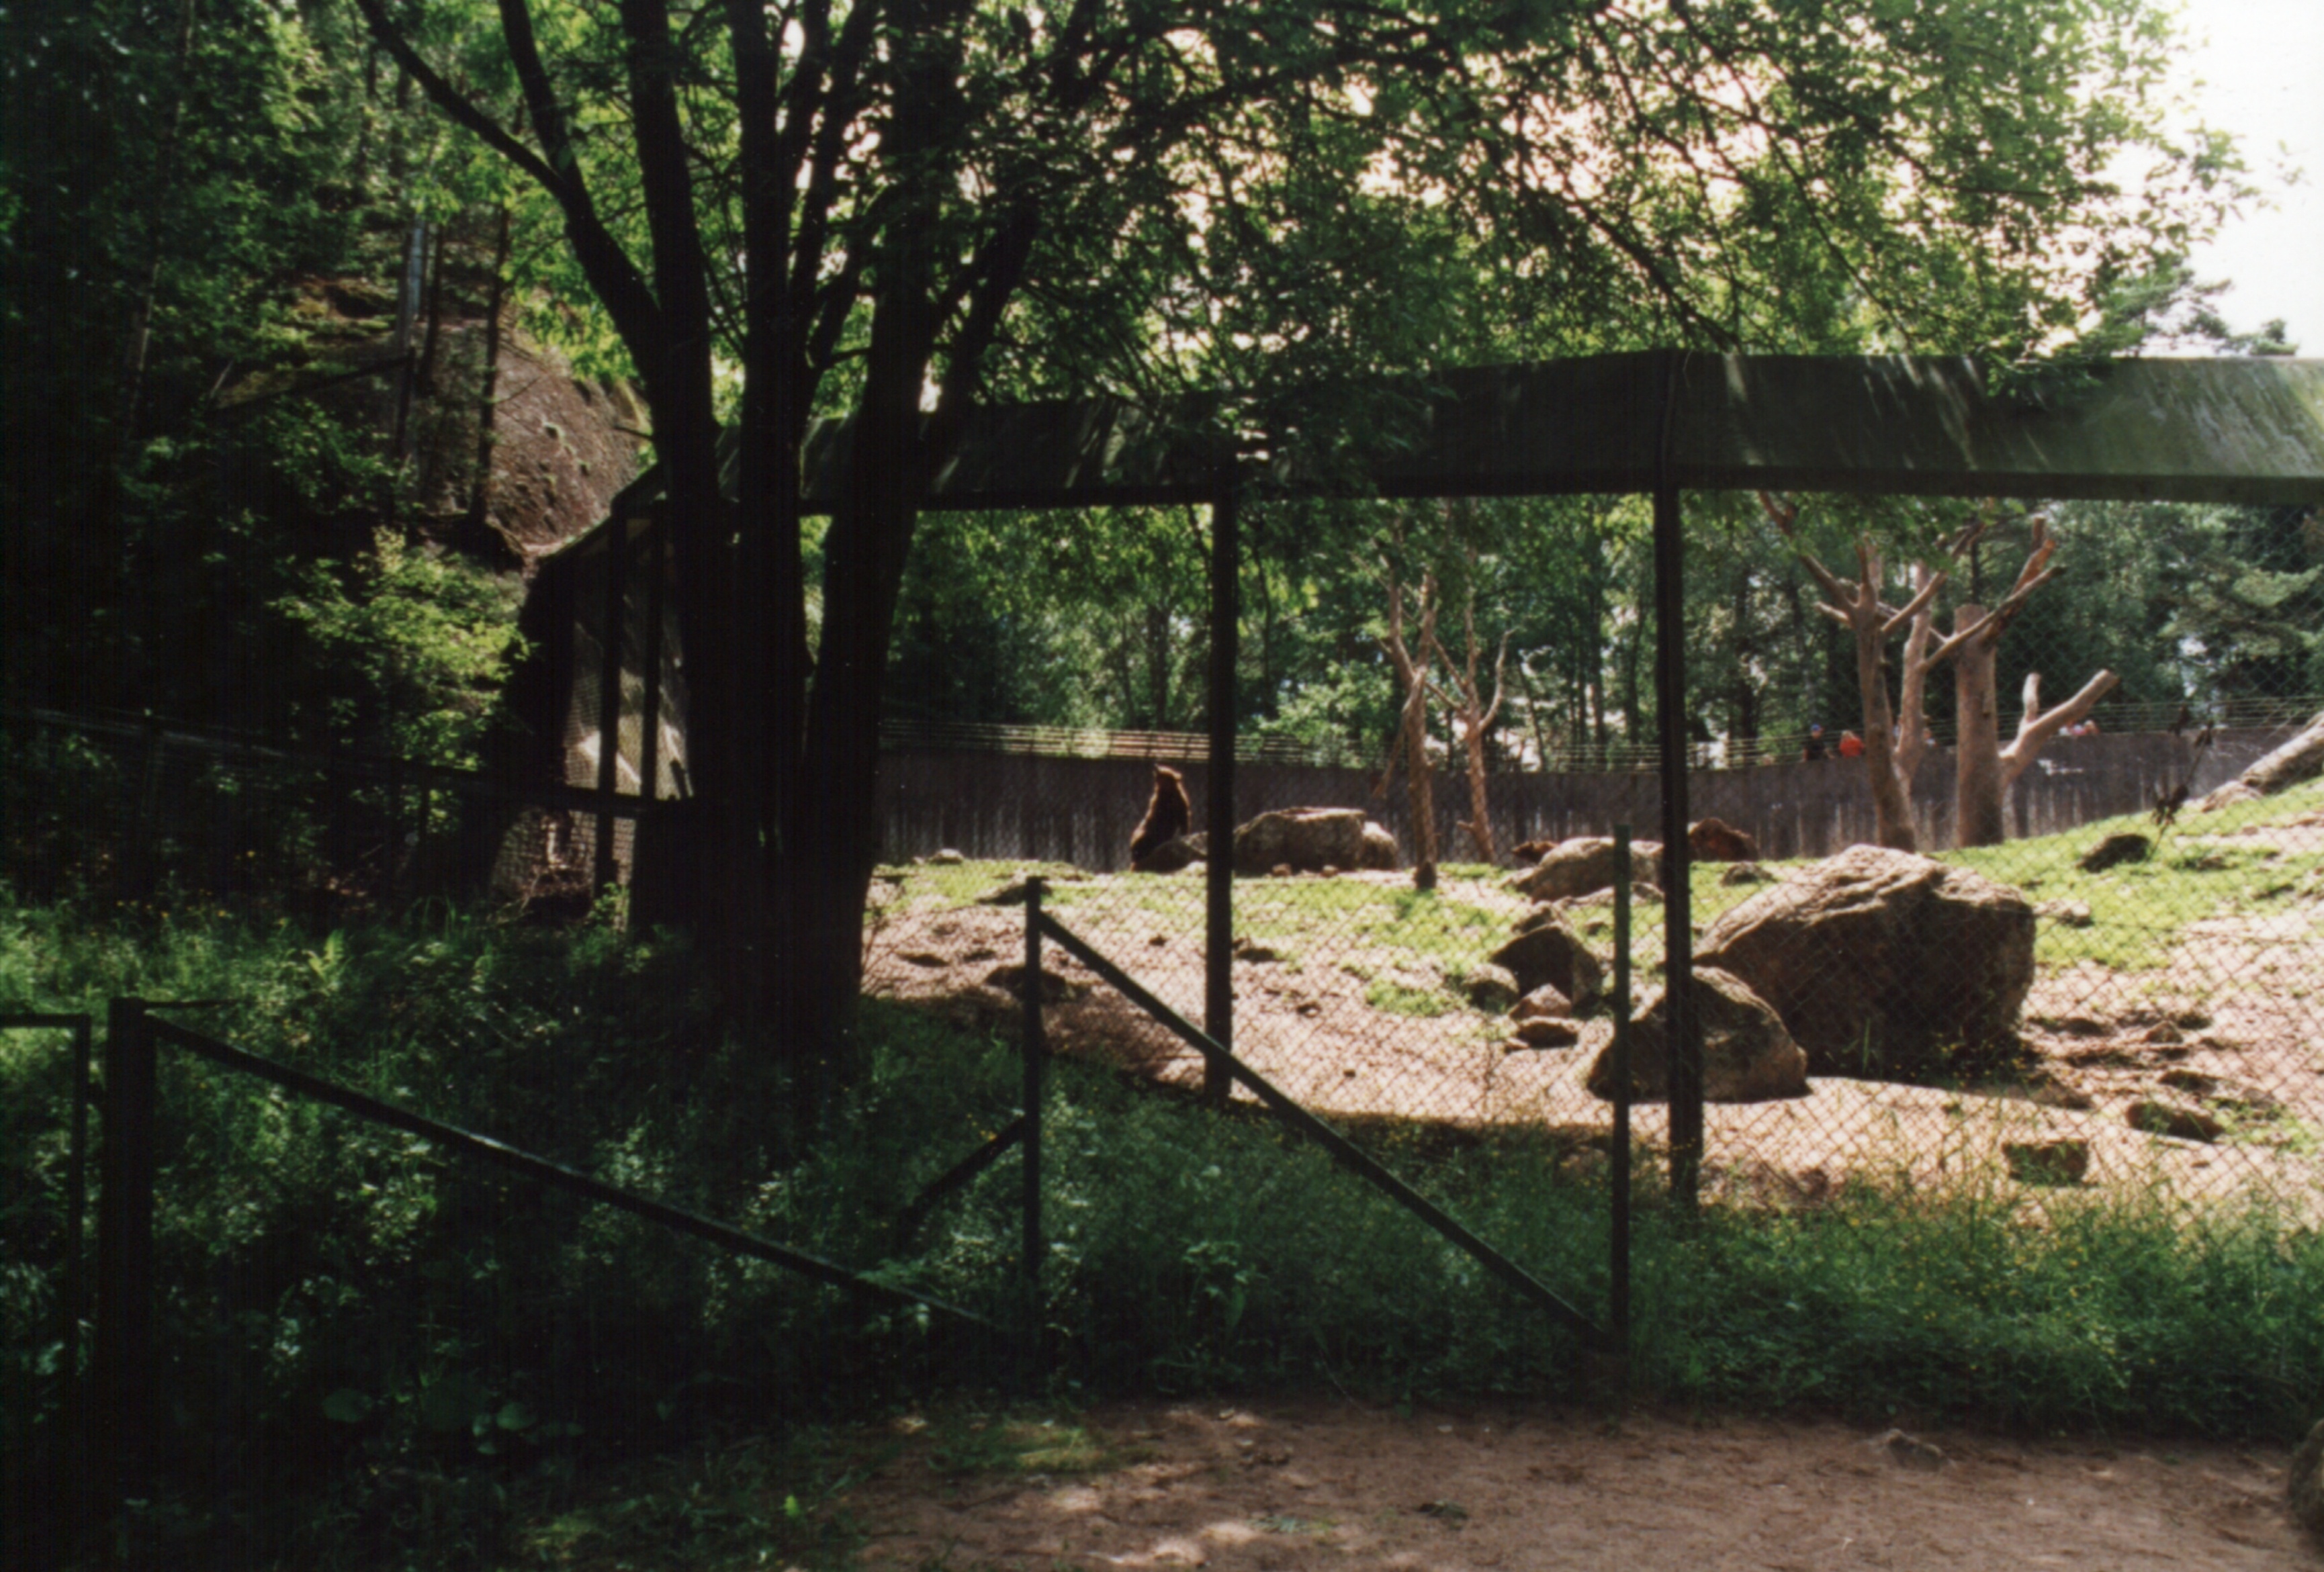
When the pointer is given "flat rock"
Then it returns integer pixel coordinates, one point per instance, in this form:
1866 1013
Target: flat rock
1746 873
1490 987
1588 863
1548 1031
2177 1117
2125 846
2065 913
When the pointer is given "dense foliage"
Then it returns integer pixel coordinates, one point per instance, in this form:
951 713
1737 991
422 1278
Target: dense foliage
365 1346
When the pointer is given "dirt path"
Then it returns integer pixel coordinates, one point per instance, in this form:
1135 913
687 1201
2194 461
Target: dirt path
1320 1483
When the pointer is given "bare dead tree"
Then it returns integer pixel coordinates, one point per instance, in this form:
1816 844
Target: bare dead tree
1893 746
1411 661
1985 770
1472 714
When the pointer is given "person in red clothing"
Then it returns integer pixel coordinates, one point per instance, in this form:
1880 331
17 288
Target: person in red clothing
1852 746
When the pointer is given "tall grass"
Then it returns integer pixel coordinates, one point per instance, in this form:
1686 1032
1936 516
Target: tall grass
352 1327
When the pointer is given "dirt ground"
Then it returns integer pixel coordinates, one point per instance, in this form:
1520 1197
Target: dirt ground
1307 1484
2233 1022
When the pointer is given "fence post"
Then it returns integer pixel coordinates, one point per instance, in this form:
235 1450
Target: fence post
1618 1295
137 867
1678 915
606 870
121 1373
1035 1050
75 1418
1218 943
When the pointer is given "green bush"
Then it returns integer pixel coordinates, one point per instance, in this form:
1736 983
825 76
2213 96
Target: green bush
363 1341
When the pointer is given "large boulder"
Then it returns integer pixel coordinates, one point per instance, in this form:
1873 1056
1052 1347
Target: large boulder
1587 864
1311 839
1885 965
1748 1057
1717 840
1551 954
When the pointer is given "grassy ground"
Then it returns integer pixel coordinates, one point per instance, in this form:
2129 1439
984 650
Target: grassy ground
367 1346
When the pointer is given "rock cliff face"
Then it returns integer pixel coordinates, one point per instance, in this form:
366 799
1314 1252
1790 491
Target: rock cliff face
506 453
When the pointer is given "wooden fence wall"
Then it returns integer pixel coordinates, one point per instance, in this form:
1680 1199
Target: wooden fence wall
1083 810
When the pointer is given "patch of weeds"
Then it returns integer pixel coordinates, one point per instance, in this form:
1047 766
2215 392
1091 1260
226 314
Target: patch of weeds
1397 998
1283 1522
757 1503
969 1442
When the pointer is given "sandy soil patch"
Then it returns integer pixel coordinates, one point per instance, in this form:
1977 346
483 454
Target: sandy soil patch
2234 1025
1318 1484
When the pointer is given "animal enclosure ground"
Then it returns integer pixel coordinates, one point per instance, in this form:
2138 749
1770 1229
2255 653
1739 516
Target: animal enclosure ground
1320 1482
2196 975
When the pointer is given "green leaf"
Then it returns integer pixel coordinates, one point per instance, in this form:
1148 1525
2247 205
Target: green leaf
347 1406
451 1402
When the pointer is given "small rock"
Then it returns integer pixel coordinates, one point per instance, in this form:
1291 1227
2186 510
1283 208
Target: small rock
2065 913
1545 1032
1281 870
2047 1162
1551 952
1547 1002
1746 873
1911 1452
1490 987
2229 795
923 958
1248 949
2171 1117
1158 939
1011 980
947 857
2125 846
2164 1034
2189 1081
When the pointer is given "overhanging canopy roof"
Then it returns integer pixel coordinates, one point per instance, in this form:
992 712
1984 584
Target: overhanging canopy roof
2216 430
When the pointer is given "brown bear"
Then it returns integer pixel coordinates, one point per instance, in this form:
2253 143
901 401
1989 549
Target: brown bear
1168 816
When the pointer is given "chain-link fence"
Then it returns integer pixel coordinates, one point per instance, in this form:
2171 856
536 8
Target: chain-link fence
2044 914
138 811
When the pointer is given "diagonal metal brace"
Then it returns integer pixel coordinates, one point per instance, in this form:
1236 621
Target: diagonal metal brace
554 1174
1345 1150
955 1177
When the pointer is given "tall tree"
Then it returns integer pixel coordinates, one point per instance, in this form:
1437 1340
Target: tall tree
894 206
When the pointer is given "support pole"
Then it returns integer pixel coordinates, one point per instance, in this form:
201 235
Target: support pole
606 870
1218 952
76 1428
120 1409
1035 1050
1618 1294
1678 908
657 554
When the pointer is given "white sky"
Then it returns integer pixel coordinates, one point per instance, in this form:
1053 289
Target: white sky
2262 74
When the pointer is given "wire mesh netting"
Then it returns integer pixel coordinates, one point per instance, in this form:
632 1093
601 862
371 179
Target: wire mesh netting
2016 886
